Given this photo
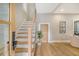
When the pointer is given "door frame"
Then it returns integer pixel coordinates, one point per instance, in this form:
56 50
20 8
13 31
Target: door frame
48 29
12 26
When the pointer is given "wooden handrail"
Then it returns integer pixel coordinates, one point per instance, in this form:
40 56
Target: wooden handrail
29 41
30 36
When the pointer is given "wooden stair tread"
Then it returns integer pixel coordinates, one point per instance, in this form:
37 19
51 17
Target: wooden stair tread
33 49
22 33
20 42
17 50
22 37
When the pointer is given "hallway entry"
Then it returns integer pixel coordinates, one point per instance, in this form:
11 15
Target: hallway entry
44 28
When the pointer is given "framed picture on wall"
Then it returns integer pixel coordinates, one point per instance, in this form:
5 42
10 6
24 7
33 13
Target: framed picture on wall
62 27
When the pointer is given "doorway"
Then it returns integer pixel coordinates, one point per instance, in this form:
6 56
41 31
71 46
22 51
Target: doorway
45 28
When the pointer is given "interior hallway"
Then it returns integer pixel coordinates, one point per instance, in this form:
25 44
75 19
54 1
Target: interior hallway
57 49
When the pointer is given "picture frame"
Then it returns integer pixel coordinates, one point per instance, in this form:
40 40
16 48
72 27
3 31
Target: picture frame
76 27
62 27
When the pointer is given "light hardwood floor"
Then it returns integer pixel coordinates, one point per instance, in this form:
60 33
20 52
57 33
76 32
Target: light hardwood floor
57 49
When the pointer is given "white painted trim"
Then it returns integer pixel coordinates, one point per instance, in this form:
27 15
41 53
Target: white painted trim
58 41
48 29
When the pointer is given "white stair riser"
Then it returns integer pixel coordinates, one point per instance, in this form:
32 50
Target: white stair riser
21 39
23 46
24 31
28 22
28 25
24 39
33 35
22 54
25 27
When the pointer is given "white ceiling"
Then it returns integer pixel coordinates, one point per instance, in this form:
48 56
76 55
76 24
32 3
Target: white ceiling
45 7
57 8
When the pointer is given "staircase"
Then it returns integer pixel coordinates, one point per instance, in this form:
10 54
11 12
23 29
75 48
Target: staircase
22 39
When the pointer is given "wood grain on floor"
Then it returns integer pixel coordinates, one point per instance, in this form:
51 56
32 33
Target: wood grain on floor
57 49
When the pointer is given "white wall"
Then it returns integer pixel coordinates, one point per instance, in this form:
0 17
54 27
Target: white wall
20 16
54 26
45 7
24 12
45 19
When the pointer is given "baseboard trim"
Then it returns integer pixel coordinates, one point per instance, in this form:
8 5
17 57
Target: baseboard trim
57 41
